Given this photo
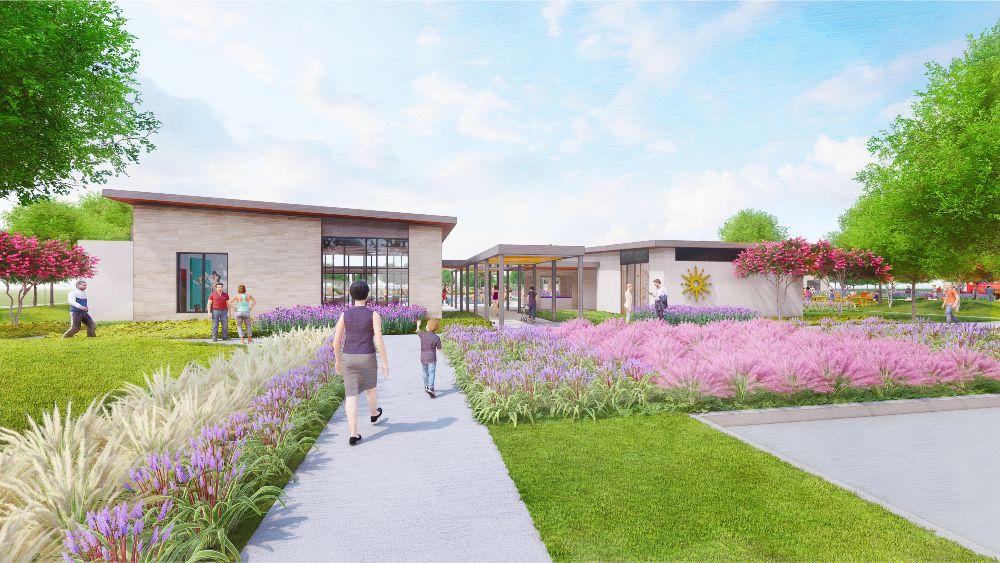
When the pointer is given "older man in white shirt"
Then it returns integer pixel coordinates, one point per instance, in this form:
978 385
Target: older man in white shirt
79 311
659 294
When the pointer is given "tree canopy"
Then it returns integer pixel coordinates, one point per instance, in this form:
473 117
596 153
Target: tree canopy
94 217
68 98
931 203
752 225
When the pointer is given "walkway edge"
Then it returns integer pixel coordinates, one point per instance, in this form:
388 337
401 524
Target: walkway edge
946 534
753 417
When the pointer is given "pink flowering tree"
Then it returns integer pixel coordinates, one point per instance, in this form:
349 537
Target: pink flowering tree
781 263
26 262
846 267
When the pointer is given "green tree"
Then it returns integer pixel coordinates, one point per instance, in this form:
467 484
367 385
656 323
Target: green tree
68 97
752 225
94 217
936 179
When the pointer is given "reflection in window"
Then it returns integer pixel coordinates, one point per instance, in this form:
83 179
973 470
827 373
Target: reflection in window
383 263
197 274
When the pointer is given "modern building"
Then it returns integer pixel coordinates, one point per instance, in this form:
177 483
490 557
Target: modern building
288 254
693 273
285 254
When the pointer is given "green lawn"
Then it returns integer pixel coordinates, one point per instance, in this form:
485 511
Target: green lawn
563 315
667 487
978 310
59 296
36 373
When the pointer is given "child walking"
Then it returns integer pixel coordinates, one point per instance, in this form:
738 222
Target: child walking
430 343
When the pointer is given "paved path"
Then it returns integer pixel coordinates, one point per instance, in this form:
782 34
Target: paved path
425 484
940 469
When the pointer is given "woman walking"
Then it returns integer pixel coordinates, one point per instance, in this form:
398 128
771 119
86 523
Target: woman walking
357 337
628 302
242 305
496 300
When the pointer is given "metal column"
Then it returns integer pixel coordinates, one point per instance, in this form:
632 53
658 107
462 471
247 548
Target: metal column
552 290
579 287
502 287
520 285
475 288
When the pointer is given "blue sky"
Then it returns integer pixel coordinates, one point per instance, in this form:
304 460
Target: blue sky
579 123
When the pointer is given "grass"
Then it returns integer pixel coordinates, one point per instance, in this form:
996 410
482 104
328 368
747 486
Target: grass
667 487
464 318
563 315
41 314
59 295
38 373
972 310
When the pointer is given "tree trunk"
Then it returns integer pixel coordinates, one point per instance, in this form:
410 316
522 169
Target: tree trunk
34 296
777 298
52 295
913 302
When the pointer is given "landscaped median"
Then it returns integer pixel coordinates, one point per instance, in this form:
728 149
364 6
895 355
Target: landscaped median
171 468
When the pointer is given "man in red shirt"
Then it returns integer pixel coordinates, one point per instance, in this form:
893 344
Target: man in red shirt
218 309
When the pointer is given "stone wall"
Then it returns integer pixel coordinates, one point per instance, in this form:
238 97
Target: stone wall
425 268
276 256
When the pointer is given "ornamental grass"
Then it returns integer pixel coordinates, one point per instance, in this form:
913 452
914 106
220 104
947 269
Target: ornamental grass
396 319
697 314
67 464
579 369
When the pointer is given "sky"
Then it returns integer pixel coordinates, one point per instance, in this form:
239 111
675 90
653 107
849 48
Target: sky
558 122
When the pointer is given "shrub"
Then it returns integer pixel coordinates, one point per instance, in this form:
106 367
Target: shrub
67 464
463 318
698 314
190 328
396 319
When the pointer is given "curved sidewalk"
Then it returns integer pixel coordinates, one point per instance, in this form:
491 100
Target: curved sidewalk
425 484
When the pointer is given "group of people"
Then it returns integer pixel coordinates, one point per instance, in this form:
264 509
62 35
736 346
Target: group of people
219 306
659 295
360 353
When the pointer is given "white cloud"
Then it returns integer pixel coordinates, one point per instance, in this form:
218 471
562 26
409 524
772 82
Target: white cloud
252 60
860 85
429 37
582 133
196 21
624 120
553 12
479 113
902 107
358 117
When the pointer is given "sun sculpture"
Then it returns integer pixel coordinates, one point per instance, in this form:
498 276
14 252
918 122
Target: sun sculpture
697 284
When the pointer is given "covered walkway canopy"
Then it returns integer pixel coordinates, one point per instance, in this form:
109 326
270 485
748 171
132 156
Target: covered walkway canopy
500 261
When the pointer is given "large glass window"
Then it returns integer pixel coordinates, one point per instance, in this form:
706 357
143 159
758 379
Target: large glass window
383 263
197 274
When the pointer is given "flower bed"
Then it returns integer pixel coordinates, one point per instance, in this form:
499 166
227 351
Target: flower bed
580 369
698 314
396 319
67 465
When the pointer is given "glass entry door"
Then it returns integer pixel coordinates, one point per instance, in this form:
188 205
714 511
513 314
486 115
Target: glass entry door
638 276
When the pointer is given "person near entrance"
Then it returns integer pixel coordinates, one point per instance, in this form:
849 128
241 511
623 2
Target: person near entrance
627 304
430 343
356 339
659 294
532 303
243 306
79 311
218 311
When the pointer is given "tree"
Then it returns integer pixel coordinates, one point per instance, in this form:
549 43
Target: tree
752 225
68 97
94 217
781 263
848 266
937 174
27 262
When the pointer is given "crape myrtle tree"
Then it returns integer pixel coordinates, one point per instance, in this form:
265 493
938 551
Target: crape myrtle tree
752 225
26 262
781 263
68 97
848 266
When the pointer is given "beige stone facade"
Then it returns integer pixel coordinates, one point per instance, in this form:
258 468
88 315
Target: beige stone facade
276 256
425 268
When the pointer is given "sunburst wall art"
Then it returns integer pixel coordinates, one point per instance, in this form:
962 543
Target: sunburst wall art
697 284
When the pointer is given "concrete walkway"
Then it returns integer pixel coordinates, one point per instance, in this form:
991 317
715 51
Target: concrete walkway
425 484
939 469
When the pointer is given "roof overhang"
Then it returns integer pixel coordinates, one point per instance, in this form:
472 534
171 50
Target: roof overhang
666 244
526 254
176 200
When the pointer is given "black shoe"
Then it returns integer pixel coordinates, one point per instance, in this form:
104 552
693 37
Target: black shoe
431 393
353 440
374 418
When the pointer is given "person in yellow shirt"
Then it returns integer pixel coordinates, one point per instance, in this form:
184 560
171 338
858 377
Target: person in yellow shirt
951 303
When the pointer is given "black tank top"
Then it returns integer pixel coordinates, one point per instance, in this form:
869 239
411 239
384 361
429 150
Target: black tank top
359 331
